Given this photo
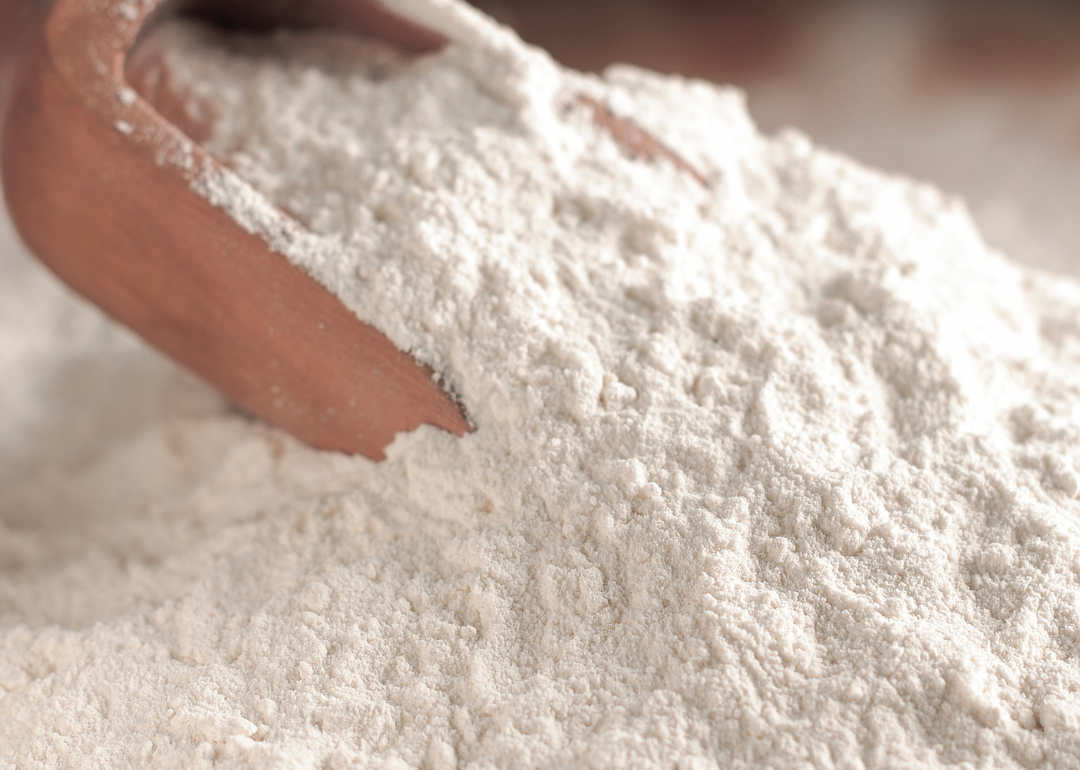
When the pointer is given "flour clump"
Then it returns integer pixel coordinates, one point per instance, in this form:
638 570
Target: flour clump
776 462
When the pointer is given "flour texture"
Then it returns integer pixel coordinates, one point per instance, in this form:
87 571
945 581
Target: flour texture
778 470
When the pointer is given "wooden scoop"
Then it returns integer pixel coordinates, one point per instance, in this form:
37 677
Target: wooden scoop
99 180
99 184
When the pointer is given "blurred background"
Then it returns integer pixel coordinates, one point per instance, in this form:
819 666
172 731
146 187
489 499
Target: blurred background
981 97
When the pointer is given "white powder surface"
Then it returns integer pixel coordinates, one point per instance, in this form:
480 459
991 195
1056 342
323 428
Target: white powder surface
775 471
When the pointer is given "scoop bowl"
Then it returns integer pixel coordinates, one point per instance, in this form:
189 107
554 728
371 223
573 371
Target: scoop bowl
100 185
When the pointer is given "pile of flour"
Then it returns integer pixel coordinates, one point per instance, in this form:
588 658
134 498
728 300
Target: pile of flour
774 471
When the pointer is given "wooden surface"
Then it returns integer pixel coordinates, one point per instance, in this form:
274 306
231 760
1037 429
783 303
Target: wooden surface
93 202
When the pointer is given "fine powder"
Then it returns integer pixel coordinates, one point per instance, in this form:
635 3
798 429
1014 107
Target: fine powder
779 470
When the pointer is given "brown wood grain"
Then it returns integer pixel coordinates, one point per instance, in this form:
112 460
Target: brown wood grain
110 215
638 142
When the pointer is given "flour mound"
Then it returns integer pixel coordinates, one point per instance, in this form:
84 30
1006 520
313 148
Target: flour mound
774 471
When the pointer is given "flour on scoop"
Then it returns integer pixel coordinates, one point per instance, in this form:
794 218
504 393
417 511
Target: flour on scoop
775 467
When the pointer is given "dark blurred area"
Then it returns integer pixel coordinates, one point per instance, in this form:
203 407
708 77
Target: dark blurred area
732 39
982 97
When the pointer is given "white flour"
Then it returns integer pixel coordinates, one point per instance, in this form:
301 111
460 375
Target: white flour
775 472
